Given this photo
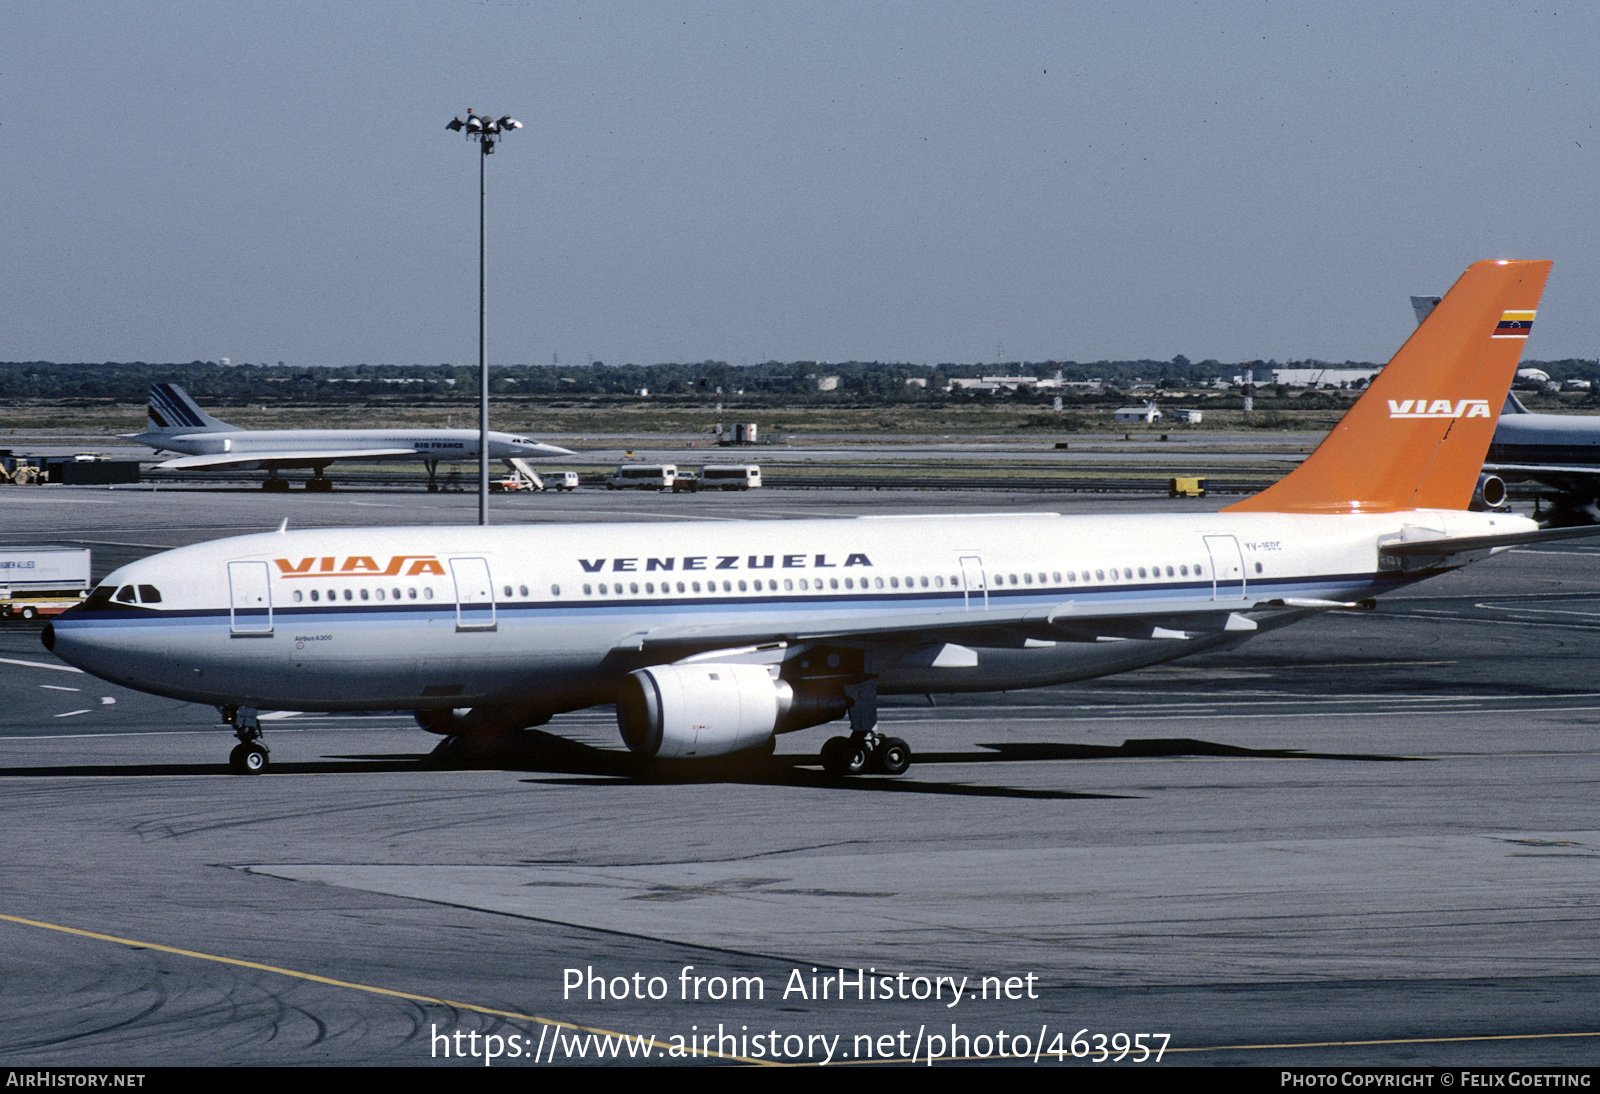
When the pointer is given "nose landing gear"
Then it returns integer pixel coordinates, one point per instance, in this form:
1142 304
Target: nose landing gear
249 756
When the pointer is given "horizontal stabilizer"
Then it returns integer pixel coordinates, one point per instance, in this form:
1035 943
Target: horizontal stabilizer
1448 546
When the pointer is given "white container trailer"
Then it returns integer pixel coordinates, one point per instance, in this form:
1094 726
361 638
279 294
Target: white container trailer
49 569
45 580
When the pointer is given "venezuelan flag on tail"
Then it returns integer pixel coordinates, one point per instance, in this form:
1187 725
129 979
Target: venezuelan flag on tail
1417 437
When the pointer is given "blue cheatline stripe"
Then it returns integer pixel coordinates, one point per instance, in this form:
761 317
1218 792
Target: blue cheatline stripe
307 614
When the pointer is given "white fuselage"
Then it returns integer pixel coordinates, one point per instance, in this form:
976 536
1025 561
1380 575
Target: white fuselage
430 444
554 616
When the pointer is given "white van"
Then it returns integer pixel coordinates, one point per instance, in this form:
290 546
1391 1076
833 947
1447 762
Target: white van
743 477
657 476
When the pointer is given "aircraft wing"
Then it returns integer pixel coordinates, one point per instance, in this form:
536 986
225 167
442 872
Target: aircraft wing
1067 621
287 458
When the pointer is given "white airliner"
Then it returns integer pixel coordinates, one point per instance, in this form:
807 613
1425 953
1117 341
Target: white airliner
712 637
177 424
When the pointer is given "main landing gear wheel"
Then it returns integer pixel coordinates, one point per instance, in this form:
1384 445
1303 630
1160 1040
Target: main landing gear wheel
843 756
276 485
862 753
892 756
248 759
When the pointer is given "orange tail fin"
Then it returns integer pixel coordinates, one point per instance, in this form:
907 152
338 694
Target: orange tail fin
1417 437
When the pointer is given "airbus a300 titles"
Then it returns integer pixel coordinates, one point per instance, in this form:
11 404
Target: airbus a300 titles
710 638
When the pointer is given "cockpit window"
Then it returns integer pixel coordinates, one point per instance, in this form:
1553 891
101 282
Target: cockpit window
125 594
149 594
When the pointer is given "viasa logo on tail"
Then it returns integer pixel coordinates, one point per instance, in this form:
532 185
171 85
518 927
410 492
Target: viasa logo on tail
1439 408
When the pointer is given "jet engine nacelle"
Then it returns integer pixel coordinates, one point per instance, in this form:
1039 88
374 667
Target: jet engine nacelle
1490 493
698 710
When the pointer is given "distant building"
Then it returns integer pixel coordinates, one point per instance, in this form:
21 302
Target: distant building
1148 414
827 383
1323 377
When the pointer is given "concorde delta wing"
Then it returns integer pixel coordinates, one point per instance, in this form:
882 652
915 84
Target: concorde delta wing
295 458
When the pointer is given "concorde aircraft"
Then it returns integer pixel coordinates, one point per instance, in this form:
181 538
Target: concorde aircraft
177 424
710 638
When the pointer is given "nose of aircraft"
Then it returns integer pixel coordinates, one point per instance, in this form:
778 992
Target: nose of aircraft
538 448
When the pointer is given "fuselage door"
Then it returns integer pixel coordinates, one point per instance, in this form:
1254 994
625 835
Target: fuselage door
1227 568
474 594
251 598
974 587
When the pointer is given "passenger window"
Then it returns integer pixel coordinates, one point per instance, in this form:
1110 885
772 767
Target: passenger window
298 596
411 593
524 589
508 591
633 587
365 594
315 596
1027 579
348 595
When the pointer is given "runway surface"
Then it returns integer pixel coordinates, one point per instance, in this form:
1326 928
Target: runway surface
1368 838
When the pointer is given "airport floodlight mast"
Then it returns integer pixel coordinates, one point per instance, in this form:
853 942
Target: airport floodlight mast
486 131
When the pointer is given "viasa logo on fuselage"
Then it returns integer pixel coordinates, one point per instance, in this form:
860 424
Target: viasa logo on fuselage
359 566
1439 408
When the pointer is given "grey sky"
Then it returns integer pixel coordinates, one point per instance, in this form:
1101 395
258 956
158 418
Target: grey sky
910 182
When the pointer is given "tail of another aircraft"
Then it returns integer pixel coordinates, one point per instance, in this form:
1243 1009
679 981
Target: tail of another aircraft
173 411
1417 437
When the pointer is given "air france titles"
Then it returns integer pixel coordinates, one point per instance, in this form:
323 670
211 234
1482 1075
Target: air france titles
723 562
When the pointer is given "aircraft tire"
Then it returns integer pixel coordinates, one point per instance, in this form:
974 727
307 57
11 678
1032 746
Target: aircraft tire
892 756
248 759
841 757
